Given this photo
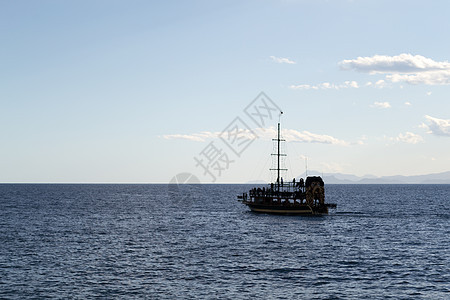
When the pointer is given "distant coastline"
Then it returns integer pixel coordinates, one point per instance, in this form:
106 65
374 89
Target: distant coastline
339 178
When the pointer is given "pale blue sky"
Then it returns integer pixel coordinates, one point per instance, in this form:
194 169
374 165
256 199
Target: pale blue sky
124 91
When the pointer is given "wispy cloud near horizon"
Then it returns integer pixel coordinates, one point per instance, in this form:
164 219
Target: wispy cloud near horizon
196 137
409 137
325 86
290 135
282 60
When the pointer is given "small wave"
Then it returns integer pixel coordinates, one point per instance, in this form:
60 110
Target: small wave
288 270
352 213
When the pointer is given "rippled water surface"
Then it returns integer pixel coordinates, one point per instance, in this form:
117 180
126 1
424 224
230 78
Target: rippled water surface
151 241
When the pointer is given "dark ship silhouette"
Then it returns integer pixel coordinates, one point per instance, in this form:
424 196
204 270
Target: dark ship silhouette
304 197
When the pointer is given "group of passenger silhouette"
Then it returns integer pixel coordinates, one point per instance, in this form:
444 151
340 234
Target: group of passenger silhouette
274 188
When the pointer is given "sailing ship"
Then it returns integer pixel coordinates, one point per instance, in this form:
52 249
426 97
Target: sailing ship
302 197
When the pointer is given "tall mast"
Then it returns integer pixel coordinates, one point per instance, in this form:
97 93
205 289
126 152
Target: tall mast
278 154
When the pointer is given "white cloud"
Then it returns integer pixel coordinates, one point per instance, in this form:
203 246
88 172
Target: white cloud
196 137
409 137
290 135
428 78
437 126
282 60
407 103
303 87
381 104
308 137
378 84
403 63
413 69
326 86
352 84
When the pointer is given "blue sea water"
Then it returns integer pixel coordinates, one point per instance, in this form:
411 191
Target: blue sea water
197 241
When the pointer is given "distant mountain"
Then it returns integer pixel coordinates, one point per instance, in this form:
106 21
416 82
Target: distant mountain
338 178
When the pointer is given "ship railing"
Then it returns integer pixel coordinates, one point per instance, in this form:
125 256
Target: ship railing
274 189
275 194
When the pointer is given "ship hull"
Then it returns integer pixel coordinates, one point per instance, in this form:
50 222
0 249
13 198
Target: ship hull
286 210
